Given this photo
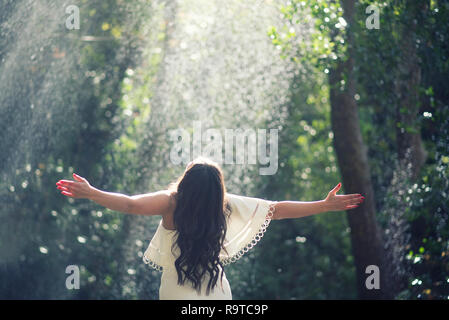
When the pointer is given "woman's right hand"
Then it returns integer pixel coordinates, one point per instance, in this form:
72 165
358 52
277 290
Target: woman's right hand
76 189
335 202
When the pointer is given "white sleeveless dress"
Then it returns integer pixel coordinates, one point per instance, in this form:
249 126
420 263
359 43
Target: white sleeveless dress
246 225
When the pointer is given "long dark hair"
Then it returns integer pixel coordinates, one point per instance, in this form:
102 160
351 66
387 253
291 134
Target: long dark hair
200 223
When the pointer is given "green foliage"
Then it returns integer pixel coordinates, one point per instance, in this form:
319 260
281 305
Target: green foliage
326 43
428 255
377 54
81 73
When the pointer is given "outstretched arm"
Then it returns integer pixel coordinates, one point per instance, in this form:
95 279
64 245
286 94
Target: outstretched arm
333 202
157 203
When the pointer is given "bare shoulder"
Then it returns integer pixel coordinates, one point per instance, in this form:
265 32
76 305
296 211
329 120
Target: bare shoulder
166 200
167 218
155 203
171 194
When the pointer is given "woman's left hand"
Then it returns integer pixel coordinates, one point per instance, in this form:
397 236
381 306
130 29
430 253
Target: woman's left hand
342 202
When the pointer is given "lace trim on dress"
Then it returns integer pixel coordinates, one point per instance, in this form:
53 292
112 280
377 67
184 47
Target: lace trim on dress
152 264
255 239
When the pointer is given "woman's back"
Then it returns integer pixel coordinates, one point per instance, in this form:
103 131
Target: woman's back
171 290
246 224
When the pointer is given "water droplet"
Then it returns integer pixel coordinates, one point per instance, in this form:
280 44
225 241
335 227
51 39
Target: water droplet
43 250
131 271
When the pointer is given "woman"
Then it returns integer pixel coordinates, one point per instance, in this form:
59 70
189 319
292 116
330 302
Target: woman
203 227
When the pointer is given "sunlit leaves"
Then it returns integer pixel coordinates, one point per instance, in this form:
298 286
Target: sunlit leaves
326 42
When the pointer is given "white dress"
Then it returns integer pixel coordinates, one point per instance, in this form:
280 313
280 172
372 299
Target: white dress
246 225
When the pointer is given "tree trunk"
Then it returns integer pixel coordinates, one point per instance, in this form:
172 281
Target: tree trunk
366 238
410 150
408 134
